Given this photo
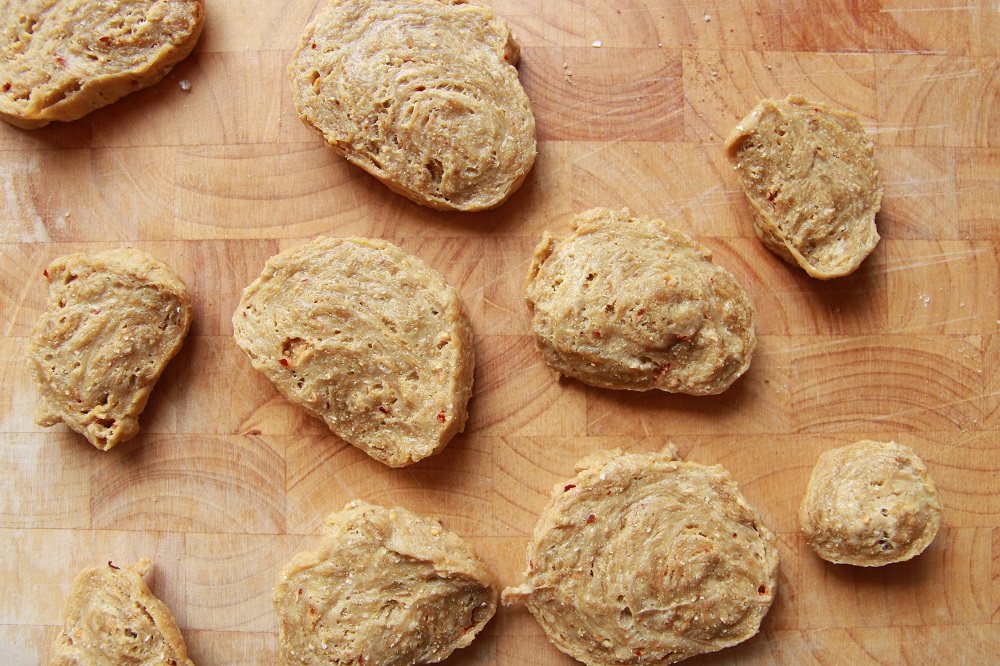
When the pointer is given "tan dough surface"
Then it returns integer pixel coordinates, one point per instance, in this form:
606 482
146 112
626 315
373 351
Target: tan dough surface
645 559
386 587
365 337
630 303
810 175
113 322
422 94
869 504
111 618
61 59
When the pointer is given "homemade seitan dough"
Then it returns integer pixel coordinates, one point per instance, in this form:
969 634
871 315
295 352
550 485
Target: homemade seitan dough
645 559
111 618
61 59
810 175
869 504
113 322
629 303
422 94
386 588
365 337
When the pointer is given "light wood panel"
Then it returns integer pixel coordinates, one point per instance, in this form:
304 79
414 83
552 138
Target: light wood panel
227 479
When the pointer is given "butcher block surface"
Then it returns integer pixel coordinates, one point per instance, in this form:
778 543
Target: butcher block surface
633 100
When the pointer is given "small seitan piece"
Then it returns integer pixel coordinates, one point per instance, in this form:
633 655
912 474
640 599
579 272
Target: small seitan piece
111 618
645 559
810 174
61 59
422 94
365 337
113 322
630 303
386 587
869 504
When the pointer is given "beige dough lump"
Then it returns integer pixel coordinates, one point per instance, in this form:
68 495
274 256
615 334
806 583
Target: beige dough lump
61 59
630 303
111 618
365 337
422 94
113 322
385 588
644 559
810 175
869 504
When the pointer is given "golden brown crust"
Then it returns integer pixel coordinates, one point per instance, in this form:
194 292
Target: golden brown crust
645 559
422 94
870 504
61 59
629 303
386 587
111 618
810 174
113 322
365 337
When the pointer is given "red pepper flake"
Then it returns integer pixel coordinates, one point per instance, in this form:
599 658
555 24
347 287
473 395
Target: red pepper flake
6 86
591 518
97 311
300 591
104 40
441 417
60 60
531 564
637 652
383 409
45 272
734 535
597 334
762 589
113 566
283 361
313 47
680 337
569 486
641 312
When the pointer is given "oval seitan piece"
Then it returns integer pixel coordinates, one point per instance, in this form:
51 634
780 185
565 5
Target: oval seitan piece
113 322
422 94
810 175
644 559
365 337
386 587
629 303
61 59
869 504
111 618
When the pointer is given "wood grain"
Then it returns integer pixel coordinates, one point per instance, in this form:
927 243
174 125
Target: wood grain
633 99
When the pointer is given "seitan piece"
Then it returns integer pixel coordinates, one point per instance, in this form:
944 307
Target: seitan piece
630 303
113 322
61 59
645 559
111 618
422 94
870 504
386 587
365 337
810 175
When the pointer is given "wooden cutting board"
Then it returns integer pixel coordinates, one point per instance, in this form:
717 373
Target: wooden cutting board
632 100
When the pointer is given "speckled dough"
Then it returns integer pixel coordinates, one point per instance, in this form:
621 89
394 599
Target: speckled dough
61 59
810 175
422 94
113 322
644 559
869 504
629 303
365 337
111 618
386 588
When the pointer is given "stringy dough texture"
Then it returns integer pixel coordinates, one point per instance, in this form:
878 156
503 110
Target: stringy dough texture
111 618
645 559
630 303
422 94
386 587
61 59
365 337
113 322
870 504
810 175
